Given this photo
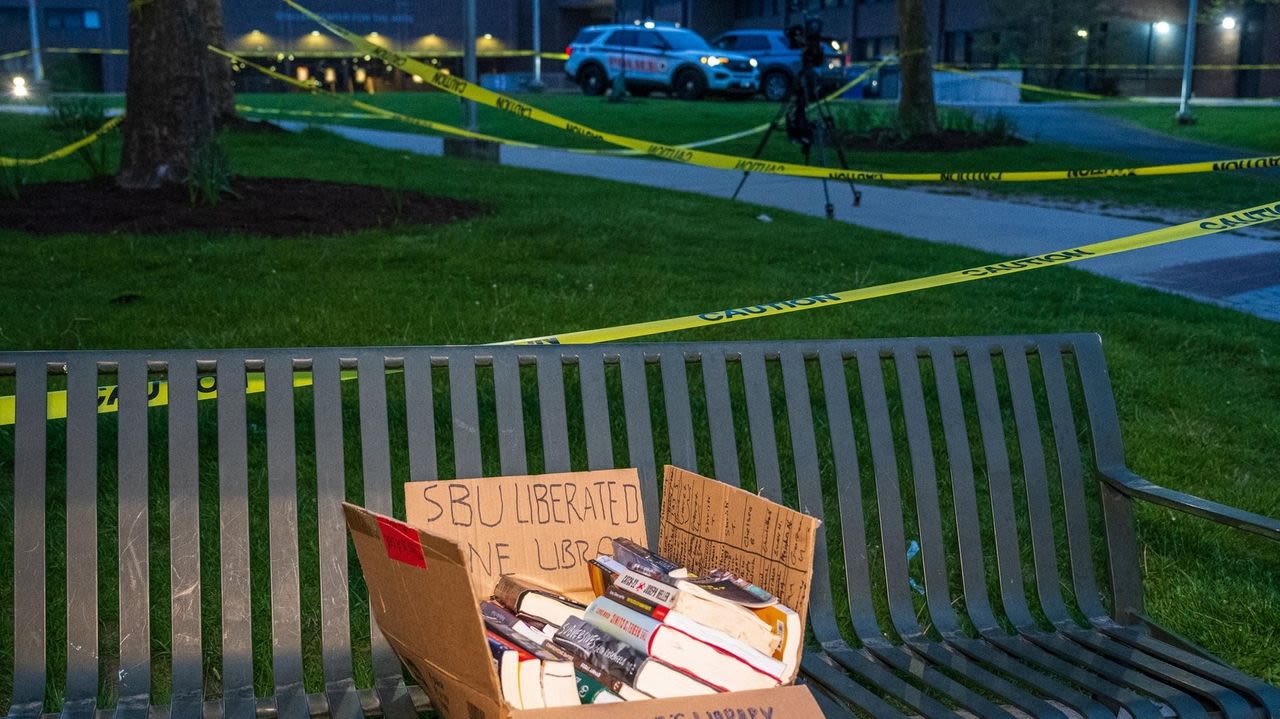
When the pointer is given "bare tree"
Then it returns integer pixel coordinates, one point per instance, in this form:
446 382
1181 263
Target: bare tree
221 91
169 116
916 109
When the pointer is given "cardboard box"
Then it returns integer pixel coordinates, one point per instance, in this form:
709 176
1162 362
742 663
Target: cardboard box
426 576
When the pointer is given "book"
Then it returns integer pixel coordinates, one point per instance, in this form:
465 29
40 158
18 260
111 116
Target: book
591 691
726 587
679 647
521 680
642 559
617 659
529 599
659 599
502 623
559 685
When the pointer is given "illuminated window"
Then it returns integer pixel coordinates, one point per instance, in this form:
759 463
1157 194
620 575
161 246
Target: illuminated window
65 18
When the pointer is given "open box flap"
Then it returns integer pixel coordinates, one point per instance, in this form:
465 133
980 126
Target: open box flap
421 596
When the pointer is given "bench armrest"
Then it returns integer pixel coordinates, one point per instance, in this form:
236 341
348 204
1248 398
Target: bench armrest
1132 485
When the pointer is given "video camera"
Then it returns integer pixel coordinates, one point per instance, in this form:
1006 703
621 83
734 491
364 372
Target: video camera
806 36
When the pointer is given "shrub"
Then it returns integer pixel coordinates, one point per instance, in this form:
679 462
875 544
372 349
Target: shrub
75 118
209 175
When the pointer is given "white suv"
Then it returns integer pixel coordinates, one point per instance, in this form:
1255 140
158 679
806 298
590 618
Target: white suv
654 56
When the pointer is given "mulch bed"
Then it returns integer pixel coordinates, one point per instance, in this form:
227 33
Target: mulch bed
887 139
272 207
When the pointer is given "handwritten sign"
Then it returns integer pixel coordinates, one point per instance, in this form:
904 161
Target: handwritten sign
710 525
543 527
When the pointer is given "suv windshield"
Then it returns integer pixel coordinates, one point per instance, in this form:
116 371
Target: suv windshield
685 41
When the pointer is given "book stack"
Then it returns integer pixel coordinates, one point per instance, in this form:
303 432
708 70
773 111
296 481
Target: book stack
653 630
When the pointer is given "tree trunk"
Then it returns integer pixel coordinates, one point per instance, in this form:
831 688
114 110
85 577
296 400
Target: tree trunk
221 91
168 113
916 110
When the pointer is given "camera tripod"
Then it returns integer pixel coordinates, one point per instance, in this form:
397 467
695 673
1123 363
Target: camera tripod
793 115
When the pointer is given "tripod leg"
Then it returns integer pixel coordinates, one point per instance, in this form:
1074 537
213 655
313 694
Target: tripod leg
830 122
764 140
820 139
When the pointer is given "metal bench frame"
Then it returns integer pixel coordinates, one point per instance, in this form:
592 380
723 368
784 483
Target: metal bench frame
993 653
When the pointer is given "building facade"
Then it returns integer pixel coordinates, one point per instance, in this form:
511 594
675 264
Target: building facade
1137 32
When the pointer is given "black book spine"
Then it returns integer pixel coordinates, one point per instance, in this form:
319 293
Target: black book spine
593 647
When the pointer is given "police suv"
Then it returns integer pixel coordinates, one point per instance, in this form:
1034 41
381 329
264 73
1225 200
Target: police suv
657 56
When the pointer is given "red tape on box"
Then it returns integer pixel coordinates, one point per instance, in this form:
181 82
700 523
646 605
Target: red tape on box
402 542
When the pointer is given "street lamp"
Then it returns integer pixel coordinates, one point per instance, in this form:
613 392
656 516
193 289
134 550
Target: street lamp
1161 27
1228 23
1188 60
37 63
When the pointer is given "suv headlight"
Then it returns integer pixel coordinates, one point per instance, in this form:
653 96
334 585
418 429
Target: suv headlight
712 61
752 62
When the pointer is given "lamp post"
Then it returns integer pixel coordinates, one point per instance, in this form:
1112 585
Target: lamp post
1188 61
469 62
537 45
37 62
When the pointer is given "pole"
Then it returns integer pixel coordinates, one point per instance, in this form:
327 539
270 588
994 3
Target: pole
469 63
37 62
1188 61
537 43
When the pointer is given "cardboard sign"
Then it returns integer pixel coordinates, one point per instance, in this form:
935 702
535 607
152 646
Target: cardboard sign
708 525
423 578
543 527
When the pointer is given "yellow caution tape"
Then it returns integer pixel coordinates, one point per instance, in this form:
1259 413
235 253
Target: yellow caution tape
375 113
296 53
14 54
62 152
158 391
87 50
470 91
1108 66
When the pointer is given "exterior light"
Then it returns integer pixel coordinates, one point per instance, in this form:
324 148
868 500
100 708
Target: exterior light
20 88
19 81
1082 34
417 79
649 24
488 36
752 62
315 33
1161 27
373 34
1228 23
835 45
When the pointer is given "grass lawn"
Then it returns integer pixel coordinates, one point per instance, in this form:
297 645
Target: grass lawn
675 122
1252 127
1196 384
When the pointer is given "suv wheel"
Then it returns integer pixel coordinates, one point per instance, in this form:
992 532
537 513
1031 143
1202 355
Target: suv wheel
776 85
689 84
593 79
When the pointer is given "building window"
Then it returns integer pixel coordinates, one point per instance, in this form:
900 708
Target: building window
63 18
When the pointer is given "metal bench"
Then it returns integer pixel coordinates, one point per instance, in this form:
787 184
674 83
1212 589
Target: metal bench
998 457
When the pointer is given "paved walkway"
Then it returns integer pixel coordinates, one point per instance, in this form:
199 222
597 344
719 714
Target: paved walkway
1239 270
1069 124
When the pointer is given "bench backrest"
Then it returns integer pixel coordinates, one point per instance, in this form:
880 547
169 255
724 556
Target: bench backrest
957 446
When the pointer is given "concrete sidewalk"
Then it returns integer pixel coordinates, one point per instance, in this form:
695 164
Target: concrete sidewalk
1240 270
1073 124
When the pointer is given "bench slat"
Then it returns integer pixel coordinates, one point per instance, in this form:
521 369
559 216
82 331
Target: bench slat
420 417
133 527
509 406
82 539
187 664
551 410
335 619
724 447
853 529
233 529
29 538
467 461
635 401
675 397
595 410
394 700
282 493
764 442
